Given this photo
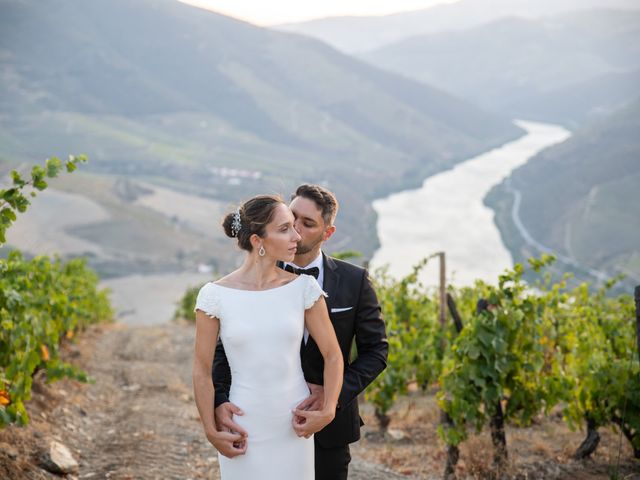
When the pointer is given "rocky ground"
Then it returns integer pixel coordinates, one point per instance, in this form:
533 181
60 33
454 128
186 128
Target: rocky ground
542 451
138 420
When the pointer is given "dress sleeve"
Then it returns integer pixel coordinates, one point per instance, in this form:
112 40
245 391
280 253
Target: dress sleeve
208 301
312 291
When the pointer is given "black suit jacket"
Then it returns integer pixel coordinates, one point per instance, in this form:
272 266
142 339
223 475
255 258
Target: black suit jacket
359 316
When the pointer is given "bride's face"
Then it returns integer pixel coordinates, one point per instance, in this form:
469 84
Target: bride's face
281 239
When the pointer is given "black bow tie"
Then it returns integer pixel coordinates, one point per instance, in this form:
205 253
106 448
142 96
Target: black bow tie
314 271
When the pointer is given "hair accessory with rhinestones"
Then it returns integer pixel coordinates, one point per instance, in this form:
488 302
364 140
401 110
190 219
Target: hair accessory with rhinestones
236 224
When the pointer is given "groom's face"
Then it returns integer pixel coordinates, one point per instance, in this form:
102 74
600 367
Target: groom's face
309 224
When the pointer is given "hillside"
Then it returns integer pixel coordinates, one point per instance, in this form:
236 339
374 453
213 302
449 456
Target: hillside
184 98
579 199
581 102
514 65
359 34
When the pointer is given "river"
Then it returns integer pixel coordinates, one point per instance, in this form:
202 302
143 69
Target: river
448 214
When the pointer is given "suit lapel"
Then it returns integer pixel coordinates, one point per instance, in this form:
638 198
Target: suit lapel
331 282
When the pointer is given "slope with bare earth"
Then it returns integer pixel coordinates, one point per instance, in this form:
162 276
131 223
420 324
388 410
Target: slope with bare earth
139 421
124 226
166 93
542 451
578 199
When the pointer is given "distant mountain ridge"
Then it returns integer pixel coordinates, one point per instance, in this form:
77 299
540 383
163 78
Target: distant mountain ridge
581 102
359 34
579 198
520 67
160 91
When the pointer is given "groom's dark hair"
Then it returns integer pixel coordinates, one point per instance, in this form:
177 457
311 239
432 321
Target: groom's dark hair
323 198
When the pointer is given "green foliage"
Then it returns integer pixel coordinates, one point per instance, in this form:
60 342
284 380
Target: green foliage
415 338
42 303
598 340
345 255
13 199
535 348
186 304
538 348
501 355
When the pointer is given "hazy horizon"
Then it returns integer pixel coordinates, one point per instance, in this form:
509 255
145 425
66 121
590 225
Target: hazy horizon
289 11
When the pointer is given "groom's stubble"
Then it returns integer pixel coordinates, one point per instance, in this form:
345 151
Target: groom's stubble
305 247
312 228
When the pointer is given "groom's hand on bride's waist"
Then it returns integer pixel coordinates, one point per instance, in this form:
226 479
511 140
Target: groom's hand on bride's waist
315 400
308 422
224 418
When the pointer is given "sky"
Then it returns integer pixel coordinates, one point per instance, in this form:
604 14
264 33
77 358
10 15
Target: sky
273 12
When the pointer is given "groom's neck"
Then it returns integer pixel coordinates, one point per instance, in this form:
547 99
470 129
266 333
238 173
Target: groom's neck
305 259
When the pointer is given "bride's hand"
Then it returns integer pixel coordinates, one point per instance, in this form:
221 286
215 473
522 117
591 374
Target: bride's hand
228 444
308 422
224 418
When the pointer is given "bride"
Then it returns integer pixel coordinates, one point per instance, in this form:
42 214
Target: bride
260 312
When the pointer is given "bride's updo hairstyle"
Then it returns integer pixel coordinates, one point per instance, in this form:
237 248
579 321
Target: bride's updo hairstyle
252 217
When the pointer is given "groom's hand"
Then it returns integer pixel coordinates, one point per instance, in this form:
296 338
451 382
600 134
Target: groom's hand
315 400
224 419
307 422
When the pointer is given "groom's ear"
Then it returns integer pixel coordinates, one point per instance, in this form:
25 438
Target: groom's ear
329 232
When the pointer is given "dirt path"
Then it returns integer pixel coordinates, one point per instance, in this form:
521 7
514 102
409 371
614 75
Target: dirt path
141 421
138 420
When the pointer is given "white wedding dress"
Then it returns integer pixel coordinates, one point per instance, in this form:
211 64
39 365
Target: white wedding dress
261 332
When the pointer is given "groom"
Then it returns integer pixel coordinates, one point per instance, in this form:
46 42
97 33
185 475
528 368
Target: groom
355 314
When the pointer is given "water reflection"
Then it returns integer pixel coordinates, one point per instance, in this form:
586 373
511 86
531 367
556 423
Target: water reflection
447 214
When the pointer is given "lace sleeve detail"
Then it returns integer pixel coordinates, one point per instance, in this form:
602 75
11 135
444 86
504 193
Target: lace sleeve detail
312 292
208 301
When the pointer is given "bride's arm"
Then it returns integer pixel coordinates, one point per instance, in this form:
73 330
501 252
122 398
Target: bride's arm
320 328
206 336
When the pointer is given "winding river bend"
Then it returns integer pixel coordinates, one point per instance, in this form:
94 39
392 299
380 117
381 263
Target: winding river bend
447 214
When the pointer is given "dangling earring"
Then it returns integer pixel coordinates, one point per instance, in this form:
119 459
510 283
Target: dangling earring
261 252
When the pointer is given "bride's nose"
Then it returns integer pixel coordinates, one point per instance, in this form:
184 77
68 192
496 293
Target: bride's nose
296 235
